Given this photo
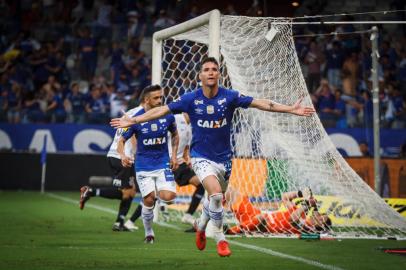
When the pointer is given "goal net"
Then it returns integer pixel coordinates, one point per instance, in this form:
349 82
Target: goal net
274 153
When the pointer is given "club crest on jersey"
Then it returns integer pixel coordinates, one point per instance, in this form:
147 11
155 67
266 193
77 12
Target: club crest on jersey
221 101
212 123
154 127
154 141
210 109
197 102
144 130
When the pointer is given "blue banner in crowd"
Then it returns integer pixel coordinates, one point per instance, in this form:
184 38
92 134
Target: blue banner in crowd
97 138
60 137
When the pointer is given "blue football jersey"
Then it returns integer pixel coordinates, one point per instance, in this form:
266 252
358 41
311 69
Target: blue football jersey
152 142
211 121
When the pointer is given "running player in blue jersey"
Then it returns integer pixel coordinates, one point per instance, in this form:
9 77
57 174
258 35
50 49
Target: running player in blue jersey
211 109
152 162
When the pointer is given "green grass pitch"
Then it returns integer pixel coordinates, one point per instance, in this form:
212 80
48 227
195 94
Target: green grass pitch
47 232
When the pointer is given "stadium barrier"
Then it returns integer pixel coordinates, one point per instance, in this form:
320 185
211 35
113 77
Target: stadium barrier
63 171
67 171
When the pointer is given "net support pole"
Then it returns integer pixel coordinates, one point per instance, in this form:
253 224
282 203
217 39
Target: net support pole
43 173
211 18
375 102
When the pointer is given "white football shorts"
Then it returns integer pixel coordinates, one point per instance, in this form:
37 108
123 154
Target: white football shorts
204 167
149 181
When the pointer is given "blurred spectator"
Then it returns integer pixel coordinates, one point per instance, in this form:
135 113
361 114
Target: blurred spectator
350 74
122 82
13 104
88 54
193 13
32 109
401 73
402 153
335 59
49 11
230 10
75 104
325 104
96 109
163 21
38 61
3 106
56 66
314 58
103 63
55 110
118 102
102 25
340 110
388 69
364 149
399 105
367 106
389 52
136 28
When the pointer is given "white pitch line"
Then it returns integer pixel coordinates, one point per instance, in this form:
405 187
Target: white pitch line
248 246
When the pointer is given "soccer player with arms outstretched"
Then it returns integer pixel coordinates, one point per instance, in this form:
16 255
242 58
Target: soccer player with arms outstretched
211 110
152 162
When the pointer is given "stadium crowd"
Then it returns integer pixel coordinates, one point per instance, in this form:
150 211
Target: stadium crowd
82 62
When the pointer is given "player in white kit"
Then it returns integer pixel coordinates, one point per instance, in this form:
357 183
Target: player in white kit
123 186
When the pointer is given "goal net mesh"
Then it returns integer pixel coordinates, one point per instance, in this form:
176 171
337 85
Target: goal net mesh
273 153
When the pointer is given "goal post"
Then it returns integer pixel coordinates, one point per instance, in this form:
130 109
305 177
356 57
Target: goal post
211 18
273 153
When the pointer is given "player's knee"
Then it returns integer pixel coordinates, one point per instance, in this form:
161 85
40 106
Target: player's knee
148 206
167 197
167 201
216 200
149 200
128 193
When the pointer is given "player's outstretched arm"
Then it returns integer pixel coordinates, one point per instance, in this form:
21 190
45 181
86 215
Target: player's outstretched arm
272 106
152 114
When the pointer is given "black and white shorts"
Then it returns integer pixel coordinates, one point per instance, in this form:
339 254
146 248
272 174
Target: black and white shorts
183 174
122 177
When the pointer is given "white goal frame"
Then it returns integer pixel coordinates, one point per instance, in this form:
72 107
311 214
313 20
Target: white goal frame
211 18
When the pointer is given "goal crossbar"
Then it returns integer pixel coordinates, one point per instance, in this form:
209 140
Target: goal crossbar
211 18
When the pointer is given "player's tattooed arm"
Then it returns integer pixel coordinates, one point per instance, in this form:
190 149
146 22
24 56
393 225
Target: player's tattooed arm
271 105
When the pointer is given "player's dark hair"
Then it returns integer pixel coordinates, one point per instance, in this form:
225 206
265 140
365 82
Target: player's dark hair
149 89
208 60
326 225
328 222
